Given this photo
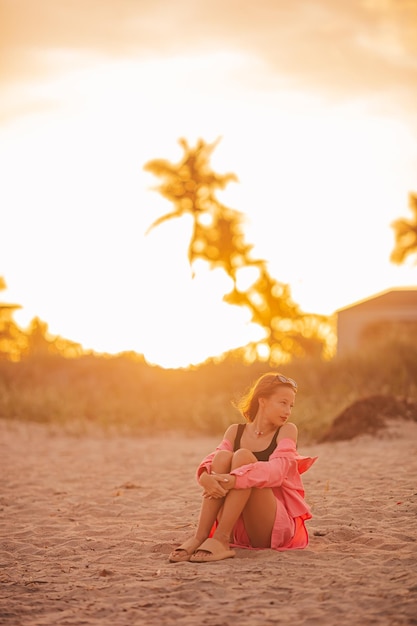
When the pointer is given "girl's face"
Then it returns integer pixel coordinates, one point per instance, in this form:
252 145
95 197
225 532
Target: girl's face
277 408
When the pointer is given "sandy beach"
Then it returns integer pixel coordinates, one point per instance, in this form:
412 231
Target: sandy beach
87 523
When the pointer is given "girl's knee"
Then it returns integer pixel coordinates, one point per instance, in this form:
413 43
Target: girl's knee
222 461
243 457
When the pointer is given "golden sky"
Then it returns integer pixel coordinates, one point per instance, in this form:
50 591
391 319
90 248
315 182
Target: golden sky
343 48
316 104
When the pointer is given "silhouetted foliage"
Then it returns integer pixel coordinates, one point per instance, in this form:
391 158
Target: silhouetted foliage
218 238
191 185
12 339
39 342
17 343
405 234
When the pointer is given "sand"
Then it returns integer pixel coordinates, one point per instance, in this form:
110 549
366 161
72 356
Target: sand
87 522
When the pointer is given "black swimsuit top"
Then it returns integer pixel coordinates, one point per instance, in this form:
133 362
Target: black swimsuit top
261 455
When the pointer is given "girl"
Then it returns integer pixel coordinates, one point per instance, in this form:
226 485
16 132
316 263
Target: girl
253 495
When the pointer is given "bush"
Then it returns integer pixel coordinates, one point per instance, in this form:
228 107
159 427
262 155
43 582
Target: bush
125 392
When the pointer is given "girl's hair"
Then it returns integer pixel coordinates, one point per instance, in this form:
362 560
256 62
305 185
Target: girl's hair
264 387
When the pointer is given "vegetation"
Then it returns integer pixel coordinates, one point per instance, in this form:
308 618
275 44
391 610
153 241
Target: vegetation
12 339
127 394
17 344
405 234
218 239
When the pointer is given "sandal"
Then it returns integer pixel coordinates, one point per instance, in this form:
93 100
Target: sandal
211 550
185 551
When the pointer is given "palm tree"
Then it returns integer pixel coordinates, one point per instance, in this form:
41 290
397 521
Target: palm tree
218 238
191 184
405 234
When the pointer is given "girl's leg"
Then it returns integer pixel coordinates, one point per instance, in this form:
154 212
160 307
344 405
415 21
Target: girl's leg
209 511
257 507
210 507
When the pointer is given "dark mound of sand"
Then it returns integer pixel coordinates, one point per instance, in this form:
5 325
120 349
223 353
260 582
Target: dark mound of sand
368 416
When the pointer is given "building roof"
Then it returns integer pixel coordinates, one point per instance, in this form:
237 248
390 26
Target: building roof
406 297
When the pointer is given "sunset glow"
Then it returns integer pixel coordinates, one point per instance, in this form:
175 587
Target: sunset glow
321 134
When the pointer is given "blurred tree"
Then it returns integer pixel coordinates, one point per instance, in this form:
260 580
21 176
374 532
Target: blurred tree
405 232
288 331
41 343
190 185
35 341
12 339
218 239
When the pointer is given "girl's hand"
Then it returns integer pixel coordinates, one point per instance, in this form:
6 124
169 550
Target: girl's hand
214 485
227 480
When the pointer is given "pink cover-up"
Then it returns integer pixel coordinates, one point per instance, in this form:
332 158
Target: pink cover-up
282 473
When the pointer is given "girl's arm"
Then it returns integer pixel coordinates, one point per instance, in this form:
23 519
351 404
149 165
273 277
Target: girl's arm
284 462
